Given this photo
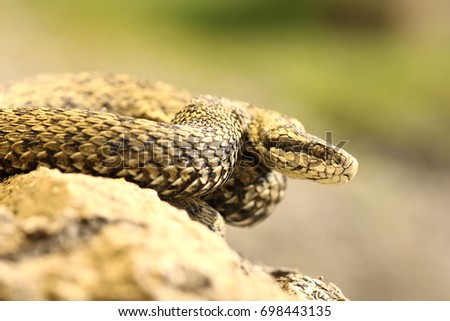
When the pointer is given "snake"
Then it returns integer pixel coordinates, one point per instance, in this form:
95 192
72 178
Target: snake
218 158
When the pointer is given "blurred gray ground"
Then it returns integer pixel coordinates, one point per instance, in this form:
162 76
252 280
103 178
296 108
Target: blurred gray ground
375 73
385 236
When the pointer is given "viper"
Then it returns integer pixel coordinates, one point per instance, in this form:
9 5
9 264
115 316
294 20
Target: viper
209 155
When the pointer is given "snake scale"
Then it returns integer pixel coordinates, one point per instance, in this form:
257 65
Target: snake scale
206 154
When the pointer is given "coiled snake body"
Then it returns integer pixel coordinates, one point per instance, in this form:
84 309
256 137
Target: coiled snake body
207 154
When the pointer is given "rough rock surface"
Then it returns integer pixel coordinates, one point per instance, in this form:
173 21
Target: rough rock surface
77 237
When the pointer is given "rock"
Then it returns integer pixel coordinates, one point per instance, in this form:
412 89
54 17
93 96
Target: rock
297 284
77 237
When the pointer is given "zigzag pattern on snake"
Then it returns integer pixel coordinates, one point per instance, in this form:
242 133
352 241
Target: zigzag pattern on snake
206 154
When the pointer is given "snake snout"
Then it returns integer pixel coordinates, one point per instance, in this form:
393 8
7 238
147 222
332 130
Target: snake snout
350 171
337 168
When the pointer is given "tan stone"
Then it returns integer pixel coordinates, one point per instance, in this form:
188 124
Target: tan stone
77 237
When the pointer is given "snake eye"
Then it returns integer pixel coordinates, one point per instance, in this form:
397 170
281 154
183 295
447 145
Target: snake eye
287 139
318 151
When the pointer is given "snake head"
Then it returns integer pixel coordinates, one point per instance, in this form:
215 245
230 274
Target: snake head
290 150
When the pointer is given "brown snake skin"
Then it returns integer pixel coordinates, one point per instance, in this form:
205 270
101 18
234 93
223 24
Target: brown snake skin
205 154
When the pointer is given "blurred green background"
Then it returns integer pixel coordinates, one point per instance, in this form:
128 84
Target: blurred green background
376 73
